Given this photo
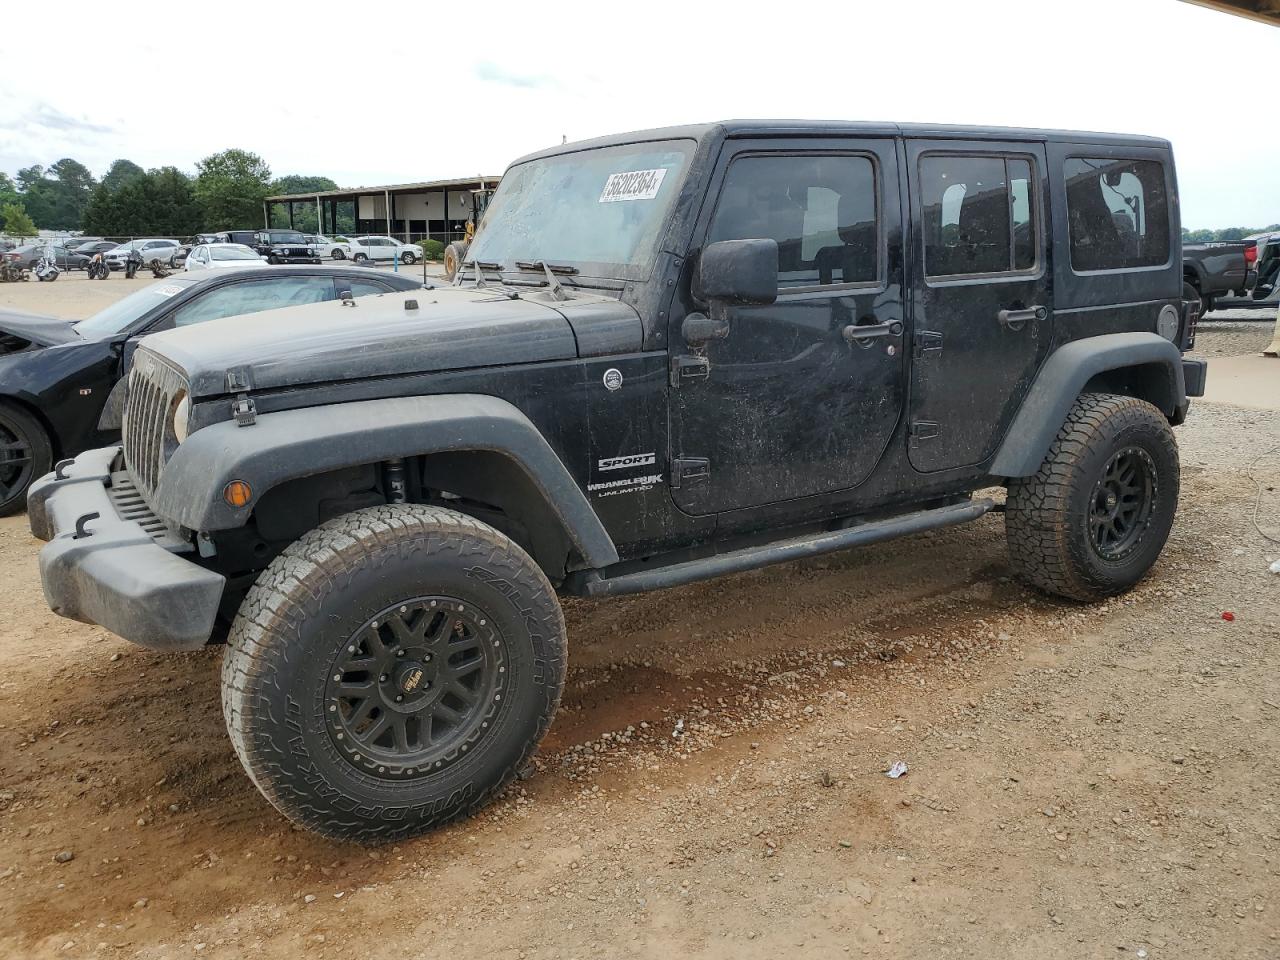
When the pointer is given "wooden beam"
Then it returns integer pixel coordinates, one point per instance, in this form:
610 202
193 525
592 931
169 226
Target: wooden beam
1262 11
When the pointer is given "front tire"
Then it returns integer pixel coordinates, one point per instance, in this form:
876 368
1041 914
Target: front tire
25 456
1092 522
408 259
339 254
360 258
392 670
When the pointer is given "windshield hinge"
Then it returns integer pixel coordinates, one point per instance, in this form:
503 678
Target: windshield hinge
243 409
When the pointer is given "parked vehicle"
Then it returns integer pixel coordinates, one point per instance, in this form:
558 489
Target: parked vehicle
29 256
12 270
278 246
148 249
1264 287
46 268
56 375
1218 268
92 247
670 356
224 256
184 249
97 268
383 248
330 249
75 243
456 252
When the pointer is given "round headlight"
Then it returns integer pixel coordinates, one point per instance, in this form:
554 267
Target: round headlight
181 411
1167 322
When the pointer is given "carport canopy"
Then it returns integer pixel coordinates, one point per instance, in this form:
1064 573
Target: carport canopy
1264 11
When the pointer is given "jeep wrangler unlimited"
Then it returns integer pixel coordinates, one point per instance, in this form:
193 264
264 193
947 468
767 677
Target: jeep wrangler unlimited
671 355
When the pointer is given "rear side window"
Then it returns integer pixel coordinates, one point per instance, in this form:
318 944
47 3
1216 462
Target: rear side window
367 288
820 209
979 215
1118 212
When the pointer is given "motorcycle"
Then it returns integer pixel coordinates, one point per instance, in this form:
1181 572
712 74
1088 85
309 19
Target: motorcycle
46 268
98 269
11 271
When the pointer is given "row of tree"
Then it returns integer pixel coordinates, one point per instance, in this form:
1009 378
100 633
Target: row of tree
225 194
1227 233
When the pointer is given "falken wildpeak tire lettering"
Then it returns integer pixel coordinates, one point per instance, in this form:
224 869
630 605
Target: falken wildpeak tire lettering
300 615
1047 516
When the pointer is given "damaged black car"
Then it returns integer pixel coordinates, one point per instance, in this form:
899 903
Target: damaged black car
56 376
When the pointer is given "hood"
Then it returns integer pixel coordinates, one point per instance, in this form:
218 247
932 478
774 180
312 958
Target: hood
452 328
18 330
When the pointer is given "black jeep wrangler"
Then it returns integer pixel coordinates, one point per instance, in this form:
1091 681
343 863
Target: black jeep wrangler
278 246
671 355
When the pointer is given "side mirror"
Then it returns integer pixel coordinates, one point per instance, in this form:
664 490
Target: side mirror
738 273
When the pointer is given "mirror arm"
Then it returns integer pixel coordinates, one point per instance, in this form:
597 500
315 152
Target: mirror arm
698 328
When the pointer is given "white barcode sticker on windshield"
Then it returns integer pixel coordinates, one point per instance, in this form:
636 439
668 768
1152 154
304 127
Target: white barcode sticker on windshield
634 185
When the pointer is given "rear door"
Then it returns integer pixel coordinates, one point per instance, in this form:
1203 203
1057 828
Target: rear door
982 310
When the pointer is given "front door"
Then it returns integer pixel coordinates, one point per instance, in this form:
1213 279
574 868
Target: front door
981 293
802 396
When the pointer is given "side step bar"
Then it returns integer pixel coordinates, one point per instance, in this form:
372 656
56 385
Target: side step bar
591 584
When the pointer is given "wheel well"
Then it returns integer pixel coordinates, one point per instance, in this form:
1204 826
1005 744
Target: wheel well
1153 382
483 484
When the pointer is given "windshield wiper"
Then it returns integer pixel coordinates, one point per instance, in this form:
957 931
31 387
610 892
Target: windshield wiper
549 267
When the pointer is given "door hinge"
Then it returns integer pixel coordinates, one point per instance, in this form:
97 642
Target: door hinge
923 430
689 470
926 341
684 369
243 409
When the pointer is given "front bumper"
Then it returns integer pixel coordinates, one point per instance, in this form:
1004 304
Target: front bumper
120 569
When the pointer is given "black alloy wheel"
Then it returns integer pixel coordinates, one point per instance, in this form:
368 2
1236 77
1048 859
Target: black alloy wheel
25 456
415 687
1123 499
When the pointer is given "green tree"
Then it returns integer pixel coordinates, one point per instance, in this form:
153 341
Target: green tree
16 221
230 187
119 173
156 203
304 214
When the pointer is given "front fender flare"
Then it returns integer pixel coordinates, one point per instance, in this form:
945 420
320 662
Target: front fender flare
290 444
1063 378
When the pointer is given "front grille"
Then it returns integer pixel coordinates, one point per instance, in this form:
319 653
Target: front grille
154 390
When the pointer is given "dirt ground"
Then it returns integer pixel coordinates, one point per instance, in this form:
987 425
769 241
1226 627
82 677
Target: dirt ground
1085 781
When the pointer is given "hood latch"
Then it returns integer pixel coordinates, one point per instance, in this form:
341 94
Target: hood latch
242 407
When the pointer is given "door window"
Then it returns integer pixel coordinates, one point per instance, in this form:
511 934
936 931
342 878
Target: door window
821 210
1118 212
251 296
365 288
979 215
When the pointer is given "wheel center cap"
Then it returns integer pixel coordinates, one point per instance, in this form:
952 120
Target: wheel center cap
411 678
1111 501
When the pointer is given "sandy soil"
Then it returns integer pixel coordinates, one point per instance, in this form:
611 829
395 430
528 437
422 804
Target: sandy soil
1084 781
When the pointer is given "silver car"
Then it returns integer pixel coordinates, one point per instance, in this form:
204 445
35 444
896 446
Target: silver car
151 249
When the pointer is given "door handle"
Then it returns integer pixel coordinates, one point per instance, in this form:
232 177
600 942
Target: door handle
863 334
1015 320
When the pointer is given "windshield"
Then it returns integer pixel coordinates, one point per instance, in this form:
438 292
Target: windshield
601 211
123 313
233 253
287 238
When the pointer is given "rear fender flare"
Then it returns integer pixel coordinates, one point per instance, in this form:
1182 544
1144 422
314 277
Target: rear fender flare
1068 372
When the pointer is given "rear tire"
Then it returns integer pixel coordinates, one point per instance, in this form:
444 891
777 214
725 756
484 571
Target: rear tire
392 670
25 456
454 255
1093 520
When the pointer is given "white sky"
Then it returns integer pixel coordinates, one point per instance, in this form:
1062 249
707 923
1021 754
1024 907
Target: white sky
403 92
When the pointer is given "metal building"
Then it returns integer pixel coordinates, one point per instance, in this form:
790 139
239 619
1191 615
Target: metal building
435 209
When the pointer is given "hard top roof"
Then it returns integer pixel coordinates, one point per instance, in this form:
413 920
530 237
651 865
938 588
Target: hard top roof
837 128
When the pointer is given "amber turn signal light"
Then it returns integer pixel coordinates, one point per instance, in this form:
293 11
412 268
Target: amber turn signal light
237 493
